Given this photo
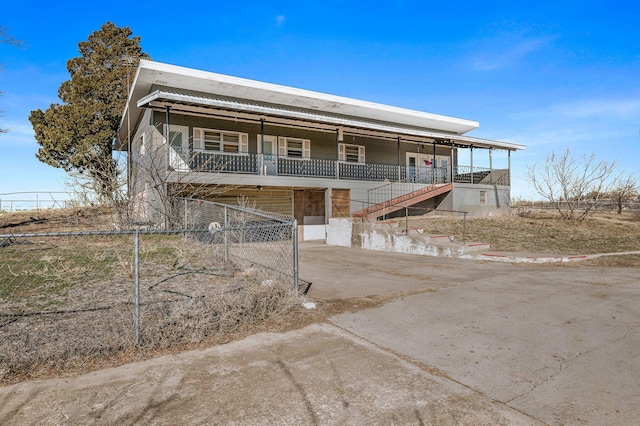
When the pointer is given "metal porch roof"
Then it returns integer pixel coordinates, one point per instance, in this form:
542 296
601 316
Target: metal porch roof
320 121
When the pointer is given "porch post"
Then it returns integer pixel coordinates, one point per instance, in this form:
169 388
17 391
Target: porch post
433 164
491 165
262 169
399 161
168 147
472 164
509 167
451 163
338 153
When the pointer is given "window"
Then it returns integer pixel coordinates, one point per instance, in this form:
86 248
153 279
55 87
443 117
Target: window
483 198
294 147
351 153
220 141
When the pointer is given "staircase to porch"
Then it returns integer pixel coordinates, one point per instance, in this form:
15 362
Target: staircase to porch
405 200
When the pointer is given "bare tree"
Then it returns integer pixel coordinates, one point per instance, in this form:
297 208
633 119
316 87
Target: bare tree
160 173
572 185
623 189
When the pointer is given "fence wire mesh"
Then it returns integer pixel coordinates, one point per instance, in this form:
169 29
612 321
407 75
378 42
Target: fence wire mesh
66 297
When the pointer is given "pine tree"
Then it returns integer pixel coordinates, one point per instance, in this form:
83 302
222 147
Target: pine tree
77 135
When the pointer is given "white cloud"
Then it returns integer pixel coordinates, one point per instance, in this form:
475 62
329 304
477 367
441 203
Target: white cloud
504 52
599 108
280 20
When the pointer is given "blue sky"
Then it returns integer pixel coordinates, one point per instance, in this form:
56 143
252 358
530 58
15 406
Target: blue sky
548 75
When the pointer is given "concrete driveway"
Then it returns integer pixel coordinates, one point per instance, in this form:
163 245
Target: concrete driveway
469 343
560 343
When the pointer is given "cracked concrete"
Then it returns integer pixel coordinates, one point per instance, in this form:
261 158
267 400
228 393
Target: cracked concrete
561 344
481 343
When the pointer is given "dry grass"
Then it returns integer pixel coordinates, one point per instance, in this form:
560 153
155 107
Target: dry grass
66 302
190 304
43 345
546 233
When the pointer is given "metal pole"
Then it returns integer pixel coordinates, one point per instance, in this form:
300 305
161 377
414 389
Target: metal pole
136 278
165 188
295 254
451 163
472 164
337 171
262 167
433 164
399 161
464 229
406 220
226 245
184 224
509 167
491 165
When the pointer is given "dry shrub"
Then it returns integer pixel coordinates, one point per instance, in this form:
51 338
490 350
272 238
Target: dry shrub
50 344
229 309
45 344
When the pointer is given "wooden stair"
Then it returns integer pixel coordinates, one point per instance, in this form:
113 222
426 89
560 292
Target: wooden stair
406 200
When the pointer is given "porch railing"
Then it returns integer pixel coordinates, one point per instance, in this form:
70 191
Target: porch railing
260 164
412 183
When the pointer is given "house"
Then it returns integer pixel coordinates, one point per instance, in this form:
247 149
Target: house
305 154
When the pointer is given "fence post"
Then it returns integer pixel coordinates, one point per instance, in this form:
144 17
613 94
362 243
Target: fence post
136 279
406 220
294 234
226 238
184 224
464 229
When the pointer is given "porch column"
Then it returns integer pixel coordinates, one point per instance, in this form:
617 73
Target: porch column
165 186
339 137
433 164
168 134
399 161
491 165
509 167
451 163
261 159
472 164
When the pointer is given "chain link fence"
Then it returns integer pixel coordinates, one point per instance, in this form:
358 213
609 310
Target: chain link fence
68 297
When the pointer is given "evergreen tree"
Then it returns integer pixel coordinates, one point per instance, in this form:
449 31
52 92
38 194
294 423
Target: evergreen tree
78 134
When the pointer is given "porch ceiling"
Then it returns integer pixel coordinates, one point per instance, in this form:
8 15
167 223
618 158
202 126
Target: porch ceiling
276 114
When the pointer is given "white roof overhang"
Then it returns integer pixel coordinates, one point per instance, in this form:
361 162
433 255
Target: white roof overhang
157 84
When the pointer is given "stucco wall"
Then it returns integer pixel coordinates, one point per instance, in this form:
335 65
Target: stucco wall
466 197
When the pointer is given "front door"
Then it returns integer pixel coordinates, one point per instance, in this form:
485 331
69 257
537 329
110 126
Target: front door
179 143
419 167
424 168
268 148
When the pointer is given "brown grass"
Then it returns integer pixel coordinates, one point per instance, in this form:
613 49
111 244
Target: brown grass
231 304
546 233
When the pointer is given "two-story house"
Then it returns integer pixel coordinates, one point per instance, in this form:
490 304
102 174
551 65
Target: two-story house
302 153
